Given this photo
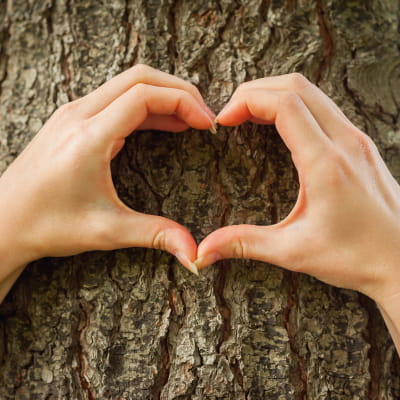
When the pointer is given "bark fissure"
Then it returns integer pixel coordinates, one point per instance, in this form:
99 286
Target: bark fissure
48 15
3 53
327 40
128 32
164 364
173 51
224 310
139 172
86 386
66 65
359 106
129 328
373 353
164 368
288 319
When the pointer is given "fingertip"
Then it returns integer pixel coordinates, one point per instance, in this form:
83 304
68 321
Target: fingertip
210 249
208 259
183 246
143 230
220 118
196 115
237 241
234 113
181 241
186 262
213 125
209 112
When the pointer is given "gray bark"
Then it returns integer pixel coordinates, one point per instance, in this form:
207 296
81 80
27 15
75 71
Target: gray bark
133 324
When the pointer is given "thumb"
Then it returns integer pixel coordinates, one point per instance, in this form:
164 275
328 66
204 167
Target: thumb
264 243
134 229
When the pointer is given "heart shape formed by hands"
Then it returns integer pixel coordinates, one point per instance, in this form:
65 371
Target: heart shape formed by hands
74 206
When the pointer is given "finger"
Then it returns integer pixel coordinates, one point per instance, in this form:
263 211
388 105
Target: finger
156 122
294 122
130 110
327 114
116 147
133 229
169 123
264 243
259 121
114 88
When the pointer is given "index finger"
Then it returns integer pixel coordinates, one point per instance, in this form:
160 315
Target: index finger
130 110
294 121
104 95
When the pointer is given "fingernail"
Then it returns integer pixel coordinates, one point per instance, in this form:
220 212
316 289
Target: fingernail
213 128
184 260
207 260
209 111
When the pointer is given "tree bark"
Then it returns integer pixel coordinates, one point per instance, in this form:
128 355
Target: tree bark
133 324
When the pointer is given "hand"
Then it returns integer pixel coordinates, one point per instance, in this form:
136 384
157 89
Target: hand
345 226
58 198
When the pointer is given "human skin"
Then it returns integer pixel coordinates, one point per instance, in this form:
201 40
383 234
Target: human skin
58 198
344 229
345 226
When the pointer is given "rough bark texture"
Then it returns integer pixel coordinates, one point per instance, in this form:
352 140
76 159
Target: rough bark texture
133 324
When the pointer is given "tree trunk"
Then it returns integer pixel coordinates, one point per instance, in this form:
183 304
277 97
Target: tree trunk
133 324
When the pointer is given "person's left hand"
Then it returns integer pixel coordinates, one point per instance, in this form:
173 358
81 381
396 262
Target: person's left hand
58 198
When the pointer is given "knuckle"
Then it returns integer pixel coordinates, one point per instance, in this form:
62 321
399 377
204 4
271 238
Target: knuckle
140 69
139 89
334 160
181 97
366 144
84 128
159 240
335 168
298 81
185 96
68 109
289 98
193 88
362 144
238 248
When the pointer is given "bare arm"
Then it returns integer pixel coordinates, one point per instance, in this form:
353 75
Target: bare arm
345 226
9 281
57 198
392 320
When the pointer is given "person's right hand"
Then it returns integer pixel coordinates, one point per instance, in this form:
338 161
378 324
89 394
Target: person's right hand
58 199
345 226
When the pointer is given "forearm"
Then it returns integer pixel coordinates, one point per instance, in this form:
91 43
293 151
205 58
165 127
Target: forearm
14 253
390 311
8 282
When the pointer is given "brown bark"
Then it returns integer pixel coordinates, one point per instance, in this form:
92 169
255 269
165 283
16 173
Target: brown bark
133 324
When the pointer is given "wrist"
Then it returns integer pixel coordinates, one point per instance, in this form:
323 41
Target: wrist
383 285
15 250
389 309
13 256
390 305
13 259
